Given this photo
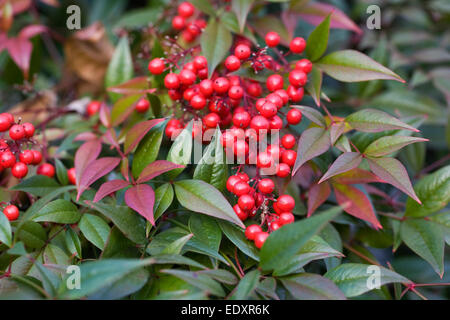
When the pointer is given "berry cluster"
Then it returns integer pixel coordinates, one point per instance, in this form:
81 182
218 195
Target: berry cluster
190 28
236 104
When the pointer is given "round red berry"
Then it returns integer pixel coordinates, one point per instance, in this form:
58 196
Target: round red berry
276 123
297 78
211 120
259 123
288 141
26 156
275 99
264 160
37 157
171 81
46 169
232 63
142 105
186 9
241 188
266 186
242 51
221 85
240 148
285 203
289 157
19 170
178 23
5 121
246 202
11 212
286 218
251 231
254 89
242 215
72 176
260 238
17 132
297 45
274 225
272 39
200 62
304 65
294 116
268 110
7 159
206 87
156 66
198 101
241 119
232 180
187 77
29 129
283 95
295 94
274 82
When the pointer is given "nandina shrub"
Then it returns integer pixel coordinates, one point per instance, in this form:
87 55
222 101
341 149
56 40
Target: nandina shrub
211 163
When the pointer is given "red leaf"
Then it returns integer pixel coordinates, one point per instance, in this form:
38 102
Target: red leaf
85 136
95 170
135 135
317 195
88 152
105 115
31 31
108 188
356 176
358 205
312 143
20 51
141 198
345 162
110 138
156 168
137 85
393 172
314 13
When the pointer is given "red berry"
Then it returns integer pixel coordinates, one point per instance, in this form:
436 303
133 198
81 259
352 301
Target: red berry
11 212
7 159
189 93
268 110
174 94
266 186
264 160
251 231
6 120
295 94
276 123
211 120
294 116
246 202
243 176
275 99
156 66
178 23
288 141
259 123
29 129
221 85
206 87
232 63
242 51
285 203
254 89
304 65
283 95
200 62
289 157
283 170
46 169
26 156
187 77
19 170
297 45
186 9
198 102
260 238
190 66
240 148
240 213
274 82
274 225
297 78
142 105
72 176
232 180
93 107
171 81
286 218
241 119
17 132
272 39
236 92
241 188
37 157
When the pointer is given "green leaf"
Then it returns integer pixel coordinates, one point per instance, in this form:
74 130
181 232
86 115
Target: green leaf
73 242
180 151
38 185
241 9
198 280
246 286
129 222
96 275
55 255
392 171
426 239
354 66
5 230
138 18
95 229
58 211
285 242
372 120
215 42
312 143
61 172
176 246
49 280
204 6
318 40
199 196
212 167
176 259
148 149
314 85
354 279
237 237
123 107
220 275
387 145
205 230
163 199
120 68
310 286
32 234
434 192
443 219
230 21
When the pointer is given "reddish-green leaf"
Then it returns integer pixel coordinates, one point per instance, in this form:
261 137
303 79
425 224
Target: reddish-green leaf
345 162
372 120
317 195
141 199
312 114
139 85
155 169
88 152
387 145
312 143
310 286
109 187
392 171
135 135
241 9
356 176
123 107
358 203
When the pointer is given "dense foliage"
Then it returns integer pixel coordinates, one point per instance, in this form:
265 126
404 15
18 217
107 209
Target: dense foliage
240 149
